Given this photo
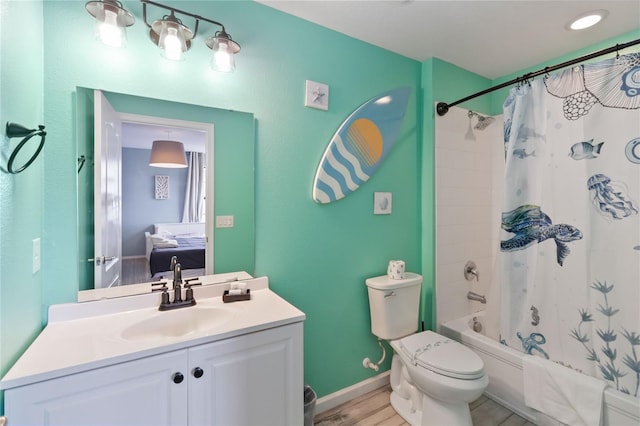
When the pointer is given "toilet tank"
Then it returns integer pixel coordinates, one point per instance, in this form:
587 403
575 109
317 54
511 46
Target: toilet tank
394 305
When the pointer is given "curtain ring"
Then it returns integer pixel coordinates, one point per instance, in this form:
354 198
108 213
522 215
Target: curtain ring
16 130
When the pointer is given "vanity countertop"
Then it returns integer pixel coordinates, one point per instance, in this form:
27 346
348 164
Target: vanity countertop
85 336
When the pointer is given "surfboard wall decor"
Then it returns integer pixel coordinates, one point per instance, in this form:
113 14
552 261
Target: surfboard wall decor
360 145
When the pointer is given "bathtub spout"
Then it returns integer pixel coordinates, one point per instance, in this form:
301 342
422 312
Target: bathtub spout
477 297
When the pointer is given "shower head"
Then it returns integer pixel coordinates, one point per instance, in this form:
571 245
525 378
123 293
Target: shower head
483 122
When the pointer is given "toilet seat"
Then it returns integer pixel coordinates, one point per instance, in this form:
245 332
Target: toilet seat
441 355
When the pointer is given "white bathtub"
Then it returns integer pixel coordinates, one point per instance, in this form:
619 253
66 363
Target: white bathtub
504 367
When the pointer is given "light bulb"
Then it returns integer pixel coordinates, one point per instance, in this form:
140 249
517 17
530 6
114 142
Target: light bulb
108 31
223 61
587 20
172 46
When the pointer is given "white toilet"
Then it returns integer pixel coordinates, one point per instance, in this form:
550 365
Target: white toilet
433 378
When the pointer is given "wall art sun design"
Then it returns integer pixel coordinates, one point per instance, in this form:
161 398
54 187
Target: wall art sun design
360 145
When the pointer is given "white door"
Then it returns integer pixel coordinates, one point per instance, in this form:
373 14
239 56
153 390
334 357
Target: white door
107 194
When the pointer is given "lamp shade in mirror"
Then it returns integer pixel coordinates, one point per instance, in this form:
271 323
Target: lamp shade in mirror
169 154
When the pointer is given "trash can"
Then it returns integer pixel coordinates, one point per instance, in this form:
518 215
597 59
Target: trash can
309 405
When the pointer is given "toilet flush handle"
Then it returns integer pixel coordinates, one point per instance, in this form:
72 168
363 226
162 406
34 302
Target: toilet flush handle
391 293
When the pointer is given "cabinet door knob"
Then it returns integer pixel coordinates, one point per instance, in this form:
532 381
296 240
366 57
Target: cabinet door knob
198 372
178 378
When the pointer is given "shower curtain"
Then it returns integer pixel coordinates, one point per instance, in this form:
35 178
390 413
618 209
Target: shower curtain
569 255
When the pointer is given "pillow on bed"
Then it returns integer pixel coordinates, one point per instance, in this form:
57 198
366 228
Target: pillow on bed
163 242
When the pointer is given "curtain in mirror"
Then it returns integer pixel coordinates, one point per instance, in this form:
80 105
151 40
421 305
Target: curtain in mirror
195 188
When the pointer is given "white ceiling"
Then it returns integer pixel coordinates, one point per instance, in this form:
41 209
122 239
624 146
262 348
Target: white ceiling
489 38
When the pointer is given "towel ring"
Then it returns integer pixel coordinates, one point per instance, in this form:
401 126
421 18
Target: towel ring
14 130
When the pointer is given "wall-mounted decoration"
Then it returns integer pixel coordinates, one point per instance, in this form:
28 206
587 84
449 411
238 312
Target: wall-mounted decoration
382 202
162 187
316 95
360 145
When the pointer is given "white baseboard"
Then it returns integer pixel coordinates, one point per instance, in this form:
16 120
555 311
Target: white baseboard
332 400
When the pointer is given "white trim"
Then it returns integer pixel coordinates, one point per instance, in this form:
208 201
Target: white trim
332 400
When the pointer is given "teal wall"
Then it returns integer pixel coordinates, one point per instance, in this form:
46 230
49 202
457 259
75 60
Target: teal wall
21 195
317 256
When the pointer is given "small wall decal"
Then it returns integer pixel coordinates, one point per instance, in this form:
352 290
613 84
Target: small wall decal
382 202
316 95
162 187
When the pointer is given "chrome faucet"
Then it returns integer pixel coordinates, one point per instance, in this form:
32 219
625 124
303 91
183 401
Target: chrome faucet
477 297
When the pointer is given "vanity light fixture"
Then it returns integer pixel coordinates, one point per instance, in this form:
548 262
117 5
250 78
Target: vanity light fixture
174 38
111 21
171 37
587 20
224 51
168 154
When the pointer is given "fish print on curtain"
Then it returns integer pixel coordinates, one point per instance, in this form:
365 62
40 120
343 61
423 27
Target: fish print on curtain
575 302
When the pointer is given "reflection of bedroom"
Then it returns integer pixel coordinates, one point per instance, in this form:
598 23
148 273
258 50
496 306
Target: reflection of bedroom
153 217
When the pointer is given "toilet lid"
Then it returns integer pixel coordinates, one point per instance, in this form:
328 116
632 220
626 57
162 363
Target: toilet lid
442 355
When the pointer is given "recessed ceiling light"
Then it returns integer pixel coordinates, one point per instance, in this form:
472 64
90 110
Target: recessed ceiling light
587 20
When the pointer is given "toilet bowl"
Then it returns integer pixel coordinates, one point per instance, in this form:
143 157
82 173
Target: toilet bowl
433 378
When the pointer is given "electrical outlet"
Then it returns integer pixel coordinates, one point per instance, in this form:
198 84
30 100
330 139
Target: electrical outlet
36 255
224 221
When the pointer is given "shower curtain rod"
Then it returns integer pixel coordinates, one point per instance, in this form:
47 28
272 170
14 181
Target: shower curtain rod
442 107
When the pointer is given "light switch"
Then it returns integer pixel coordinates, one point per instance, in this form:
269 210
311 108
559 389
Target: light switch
36 255
224 221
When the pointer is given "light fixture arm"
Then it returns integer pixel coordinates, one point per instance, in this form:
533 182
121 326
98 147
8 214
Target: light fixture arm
197 18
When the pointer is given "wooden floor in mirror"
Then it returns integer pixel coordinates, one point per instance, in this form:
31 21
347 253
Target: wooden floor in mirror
374 408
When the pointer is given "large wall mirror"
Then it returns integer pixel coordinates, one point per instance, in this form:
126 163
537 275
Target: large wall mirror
132 216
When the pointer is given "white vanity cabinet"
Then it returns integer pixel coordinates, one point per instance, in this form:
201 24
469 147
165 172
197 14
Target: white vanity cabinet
140 392
251 379
255 379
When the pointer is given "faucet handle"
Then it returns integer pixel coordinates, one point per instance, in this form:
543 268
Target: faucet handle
471 270
188 282
159 286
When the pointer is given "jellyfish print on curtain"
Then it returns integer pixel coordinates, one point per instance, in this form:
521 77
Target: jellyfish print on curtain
570 238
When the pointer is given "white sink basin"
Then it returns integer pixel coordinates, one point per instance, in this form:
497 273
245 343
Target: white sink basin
178 322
